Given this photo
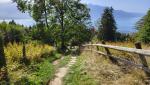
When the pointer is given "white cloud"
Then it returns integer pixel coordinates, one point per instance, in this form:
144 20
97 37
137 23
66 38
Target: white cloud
5 1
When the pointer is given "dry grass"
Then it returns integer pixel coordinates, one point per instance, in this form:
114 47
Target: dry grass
106 73
102 71
130 56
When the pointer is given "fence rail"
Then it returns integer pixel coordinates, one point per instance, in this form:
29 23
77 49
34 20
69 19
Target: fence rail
137 50
131 50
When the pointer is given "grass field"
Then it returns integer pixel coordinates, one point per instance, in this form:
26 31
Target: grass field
95 69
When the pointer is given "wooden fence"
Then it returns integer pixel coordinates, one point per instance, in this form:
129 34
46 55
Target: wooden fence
114 59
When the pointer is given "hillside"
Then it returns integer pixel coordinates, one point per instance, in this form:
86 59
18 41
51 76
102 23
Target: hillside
125 20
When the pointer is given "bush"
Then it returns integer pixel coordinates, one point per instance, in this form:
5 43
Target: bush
38 72
34 51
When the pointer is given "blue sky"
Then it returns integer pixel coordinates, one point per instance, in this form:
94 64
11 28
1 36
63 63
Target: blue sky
140 6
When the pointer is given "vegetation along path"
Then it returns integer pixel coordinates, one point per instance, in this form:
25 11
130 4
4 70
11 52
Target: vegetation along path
62 72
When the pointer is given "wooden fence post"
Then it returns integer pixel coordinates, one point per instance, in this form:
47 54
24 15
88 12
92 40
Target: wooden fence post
109 53
143 59
91 46
88 46
24 50
24 56
97 47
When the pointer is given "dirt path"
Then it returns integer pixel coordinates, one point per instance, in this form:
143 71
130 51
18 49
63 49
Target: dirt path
62 72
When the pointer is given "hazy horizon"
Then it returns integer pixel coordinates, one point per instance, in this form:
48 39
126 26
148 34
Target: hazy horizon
9 11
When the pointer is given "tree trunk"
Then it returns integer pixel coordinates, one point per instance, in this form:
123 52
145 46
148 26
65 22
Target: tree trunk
63 47
45 14
2 55
3 66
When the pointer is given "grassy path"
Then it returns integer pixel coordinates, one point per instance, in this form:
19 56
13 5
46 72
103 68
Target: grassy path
62 72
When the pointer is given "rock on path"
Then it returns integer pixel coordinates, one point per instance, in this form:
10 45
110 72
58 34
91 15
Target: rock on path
62 72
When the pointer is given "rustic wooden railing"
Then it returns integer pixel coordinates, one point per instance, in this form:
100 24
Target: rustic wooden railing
137 50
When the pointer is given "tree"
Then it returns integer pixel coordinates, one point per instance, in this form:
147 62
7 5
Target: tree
107 27
58 12
144 30
12 32
12 22
139 23
79 34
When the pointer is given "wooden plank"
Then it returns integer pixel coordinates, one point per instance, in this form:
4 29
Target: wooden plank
131 50
140 66
143 59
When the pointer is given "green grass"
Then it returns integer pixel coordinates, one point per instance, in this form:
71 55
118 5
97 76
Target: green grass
78 75
42 75
64 61
37 73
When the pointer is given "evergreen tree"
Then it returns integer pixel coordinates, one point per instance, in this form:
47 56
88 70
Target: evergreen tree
107 27
144 30
12 22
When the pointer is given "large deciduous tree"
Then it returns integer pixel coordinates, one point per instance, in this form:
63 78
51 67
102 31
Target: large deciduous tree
56 12
107 26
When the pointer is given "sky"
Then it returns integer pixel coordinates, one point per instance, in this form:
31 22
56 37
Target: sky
5 1
9 11
140 6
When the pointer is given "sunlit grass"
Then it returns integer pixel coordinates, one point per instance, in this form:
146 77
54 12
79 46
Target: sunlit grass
78 74
101 71
34 51
40 69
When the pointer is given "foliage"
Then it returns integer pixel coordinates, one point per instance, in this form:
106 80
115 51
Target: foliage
45 35
125 37
107 26
13 32
42 73
144 30
79 35
63 14
38 72
139 23
34 51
